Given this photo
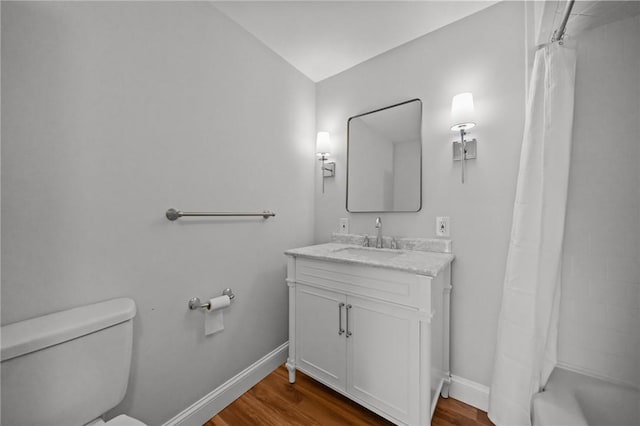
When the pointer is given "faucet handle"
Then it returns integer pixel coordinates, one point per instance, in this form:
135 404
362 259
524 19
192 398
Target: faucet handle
365 242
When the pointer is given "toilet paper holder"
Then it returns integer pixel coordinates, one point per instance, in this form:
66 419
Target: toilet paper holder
195 303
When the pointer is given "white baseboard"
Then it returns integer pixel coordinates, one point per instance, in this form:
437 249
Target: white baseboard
469 392
212 403
462 389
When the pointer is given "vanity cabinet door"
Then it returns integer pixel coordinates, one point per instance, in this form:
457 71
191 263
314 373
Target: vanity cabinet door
320 335
383 357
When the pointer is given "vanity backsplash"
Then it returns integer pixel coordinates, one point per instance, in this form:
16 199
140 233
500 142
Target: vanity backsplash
435 245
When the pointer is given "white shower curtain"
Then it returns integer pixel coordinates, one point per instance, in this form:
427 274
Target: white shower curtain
527 329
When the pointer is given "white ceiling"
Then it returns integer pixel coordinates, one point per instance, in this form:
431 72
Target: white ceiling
324 38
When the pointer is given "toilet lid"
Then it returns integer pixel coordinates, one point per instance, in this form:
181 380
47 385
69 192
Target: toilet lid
123 420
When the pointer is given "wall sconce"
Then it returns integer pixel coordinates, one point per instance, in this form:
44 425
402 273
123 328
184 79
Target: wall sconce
462 119
323 151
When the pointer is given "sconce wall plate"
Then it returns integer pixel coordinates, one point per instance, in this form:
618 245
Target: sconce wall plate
471 150
329 169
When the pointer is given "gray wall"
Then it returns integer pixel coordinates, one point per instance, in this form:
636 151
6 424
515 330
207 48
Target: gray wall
600 309
114 112
484 54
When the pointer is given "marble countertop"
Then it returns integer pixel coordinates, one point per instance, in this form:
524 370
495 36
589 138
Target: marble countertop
416 261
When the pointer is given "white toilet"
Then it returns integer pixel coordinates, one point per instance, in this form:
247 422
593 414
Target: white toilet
68 368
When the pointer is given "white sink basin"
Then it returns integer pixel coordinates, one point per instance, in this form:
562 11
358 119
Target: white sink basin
369 253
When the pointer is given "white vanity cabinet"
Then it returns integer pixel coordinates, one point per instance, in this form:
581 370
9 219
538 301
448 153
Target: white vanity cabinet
369 332
359 355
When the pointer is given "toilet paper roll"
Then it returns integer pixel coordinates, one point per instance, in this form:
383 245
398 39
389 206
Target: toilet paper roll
213 318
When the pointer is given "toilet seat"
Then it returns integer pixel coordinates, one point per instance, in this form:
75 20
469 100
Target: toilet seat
123 420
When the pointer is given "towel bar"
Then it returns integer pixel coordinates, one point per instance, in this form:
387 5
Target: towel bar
173 214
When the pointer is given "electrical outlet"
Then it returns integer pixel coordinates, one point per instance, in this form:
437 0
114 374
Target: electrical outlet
344 225
442 226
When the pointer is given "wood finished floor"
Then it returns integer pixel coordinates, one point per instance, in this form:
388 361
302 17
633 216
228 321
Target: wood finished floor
275 402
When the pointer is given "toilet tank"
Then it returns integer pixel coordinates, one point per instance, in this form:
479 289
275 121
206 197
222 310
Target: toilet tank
66 368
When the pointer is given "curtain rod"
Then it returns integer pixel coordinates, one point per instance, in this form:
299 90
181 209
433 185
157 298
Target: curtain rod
559 33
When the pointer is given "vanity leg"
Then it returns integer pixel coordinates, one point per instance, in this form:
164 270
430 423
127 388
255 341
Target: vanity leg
292 371
291 283
445 389
446 343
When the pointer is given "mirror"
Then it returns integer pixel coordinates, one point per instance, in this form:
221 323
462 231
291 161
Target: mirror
384 159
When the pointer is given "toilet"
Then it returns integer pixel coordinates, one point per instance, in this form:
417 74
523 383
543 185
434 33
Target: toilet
69 367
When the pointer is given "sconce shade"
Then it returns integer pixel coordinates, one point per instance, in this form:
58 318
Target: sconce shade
462 112
323 143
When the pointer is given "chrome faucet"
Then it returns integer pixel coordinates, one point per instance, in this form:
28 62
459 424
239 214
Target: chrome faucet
379 228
